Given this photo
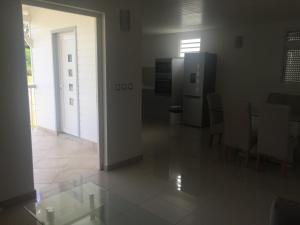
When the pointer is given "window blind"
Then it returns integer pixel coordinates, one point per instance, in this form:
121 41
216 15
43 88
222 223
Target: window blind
291 72
189 45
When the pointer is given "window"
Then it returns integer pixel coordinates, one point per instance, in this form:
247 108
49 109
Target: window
291 72
189 45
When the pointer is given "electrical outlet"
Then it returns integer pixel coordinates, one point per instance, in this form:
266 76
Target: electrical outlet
124 86
118 87
130 86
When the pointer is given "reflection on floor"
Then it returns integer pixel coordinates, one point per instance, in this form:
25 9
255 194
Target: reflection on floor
60 158
183 181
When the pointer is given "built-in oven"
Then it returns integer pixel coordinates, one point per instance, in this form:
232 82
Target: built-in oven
163 77
163 87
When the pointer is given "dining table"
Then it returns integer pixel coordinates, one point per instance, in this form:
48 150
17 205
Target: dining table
294 116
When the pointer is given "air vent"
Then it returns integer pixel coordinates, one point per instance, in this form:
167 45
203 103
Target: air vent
189 45
293 36
291 72
292 66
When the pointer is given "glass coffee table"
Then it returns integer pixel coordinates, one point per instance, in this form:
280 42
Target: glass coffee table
70 206
89 204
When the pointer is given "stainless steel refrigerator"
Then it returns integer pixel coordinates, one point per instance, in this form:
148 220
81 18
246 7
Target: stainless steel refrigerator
199 80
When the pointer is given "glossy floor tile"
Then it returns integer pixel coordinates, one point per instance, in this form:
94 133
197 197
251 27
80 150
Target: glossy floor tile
61 158
180 181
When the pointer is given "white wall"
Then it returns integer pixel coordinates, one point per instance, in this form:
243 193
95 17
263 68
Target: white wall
123 64
43 72
251 72
15 144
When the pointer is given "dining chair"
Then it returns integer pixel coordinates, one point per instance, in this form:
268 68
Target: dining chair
285 212
277 98
215 116
273 135
289 100
238 132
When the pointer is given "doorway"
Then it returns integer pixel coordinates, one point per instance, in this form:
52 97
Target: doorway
65 56
67 66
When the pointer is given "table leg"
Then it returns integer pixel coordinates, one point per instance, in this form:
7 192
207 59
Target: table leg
92 206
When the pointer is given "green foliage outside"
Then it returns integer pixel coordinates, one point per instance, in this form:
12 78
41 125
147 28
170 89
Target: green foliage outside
28 65
30 82
28 60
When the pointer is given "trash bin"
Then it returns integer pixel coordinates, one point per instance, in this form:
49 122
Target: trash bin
175 112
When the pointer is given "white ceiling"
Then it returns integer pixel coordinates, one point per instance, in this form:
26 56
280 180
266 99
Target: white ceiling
168 16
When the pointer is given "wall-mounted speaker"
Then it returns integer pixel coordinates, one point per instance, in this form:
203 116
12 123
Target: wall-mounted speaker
125 20
239 41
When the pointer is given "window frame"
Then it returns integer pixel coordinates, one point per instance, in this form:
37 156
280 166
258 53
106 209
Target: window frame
189 39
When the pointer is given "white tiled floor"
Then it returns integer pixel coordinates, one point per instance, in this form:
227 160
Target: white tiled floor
213 192
60 158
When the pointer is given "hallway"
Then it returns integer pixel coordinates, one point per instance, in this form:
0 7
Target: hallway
61 158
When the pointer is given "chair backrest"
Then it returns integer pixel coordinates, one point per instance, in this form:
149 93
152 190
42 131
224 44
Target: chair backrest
276 98
273 131
285 99
285 212
237 124
215 108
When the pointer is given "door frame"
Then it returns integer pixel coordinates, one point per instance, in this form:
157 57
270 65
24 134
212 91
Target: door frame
56 70
101 67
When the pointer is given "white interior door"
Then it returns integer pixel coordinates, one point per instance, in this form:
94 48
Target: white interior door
68 83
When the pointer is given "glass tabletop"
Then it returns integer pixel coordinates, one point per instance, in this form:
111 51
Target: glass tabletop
69 206
89 204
